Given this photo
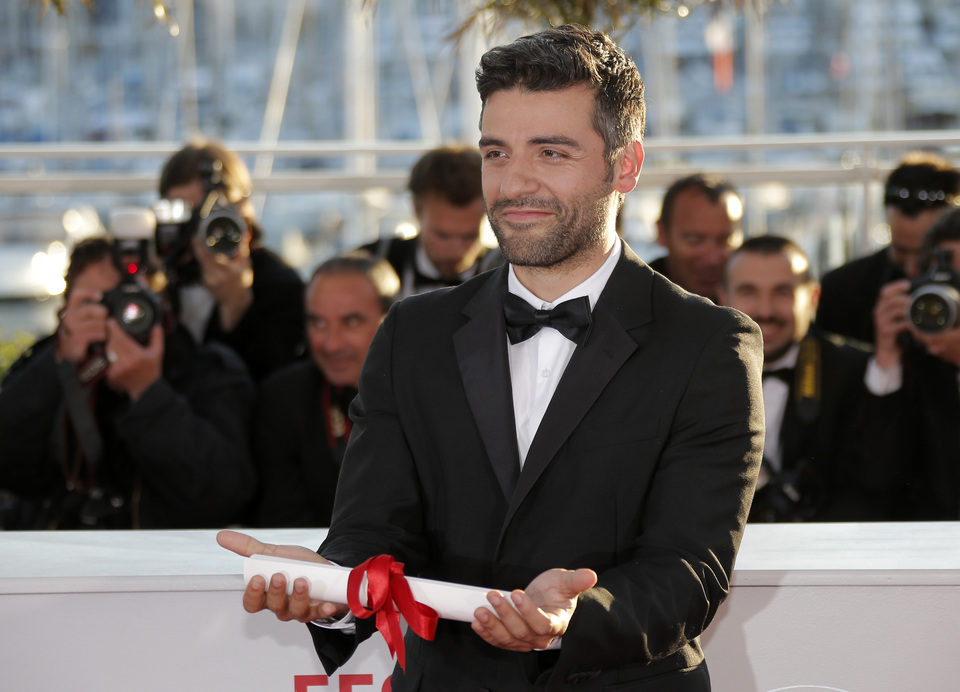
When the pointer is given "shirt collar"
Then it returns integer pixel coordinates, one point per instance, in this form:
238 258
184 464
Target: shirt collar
591 287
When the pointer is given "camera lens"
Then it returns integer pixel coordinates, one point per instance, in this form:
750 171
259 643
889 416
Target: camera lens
222 234
134 308
933 308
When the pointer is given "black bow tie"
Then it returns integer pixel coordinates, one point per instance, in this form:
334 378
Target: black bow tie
571 318
783 374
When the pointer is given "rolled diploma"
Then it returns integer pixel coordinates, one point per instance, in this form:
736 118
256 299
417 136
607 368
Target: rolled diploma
329 583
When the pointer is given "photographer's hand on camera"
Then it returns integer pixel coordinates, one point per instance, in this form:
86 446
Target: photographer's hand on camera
133 368
229 279
83 322
890 320
944 345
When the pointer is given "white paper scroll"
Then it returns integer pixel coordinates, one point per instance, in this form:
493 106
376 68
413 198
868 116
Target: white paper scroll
329 583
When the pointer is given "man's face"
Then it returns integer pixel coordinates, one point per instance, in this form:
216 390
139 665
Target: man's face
343 313
450 234
906 237
699 241
550 193
768 289
101 276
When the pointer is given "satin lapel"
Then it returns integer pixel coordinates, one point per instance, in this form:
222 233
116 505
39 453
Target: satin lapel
623 307
481 348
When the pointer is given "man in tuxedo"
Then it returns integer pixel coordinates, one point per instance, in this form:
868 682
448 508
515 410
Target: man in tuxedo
448 205
917 191
302 426
699 226
817 429
572 427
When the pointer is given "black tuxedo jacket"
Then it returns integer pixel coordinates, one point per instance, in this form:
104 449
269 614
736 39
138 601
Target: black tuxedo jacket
825 451
642 469
298 469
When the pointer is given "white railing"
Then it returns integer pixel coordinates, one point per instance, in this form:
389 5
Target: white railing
844 159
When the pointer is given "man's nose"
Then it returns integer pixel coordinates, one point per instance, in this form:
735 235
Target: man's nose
518 179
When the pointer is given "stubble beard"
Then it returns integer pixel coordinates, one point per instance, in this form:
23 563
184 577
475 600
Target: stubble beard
573 232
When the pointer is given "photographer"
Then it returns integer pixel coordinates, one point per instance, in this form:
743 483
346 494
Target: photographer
119 420
226 286
817 423
917 191
918 368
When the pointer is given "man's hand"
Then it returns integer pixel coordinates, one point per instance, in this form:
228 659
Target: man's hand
890 318
257 596
83 322
133 368
542 612
944 345
229 280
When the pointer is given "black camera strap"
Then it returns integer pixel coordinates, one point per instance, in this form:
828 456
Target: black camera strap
80 413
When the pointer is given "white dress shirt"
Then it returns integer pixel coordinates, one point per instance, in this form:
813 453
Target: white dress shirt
537 364
775 394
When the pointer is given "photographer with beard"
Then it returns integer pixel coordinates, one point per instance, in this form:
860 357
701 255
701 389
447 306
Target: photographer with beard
232 290
817 425
119 420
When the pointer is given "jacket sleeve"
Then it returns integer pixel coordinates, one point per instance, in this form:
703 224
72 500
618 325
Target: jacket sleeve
666 592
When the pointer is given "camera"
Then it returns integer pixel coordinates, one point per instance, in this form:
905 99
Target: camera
935 296
132 229
217 224
135 308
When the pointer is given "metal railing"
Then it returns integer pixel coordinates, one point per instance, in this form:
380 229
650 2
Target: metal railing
808 160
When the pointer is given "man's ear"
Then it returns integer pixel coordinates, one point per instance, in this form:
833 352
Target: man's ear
814 296
662 240
626 170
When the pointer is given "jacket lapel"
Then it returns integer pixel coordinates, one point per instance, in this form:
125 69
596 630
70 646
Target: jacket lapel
623 306
481 348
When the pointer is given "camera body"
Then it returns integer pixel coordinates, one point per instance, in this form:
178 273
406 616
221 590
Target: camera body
135 308
935 296
217 224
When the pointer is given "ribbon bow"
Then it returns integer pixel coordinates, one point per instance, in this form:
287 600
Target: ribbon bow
571 318
389 596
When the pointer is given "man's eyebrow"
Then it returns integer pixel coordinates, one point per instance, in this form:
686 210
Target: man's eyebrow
556 139
540 140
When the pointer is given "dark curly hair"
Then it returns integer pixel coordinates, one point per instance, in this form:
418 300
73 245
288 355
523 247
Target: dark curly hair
572 55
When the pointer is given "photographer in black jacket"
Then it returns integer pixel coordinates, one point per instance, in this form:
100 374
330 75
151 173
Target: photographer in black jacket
227 287
119 420
918 369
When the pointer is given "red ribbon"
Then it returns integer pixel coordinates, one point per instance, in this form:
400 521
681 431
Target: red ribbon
389 596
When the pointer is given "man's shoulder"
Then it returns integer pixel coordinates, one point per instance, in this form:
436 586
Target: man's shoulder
297 376
868 267
659 264
396 250
268 267
843 361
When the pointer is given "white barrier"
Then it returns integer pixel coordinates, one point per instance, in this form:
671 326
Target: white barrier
850 607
